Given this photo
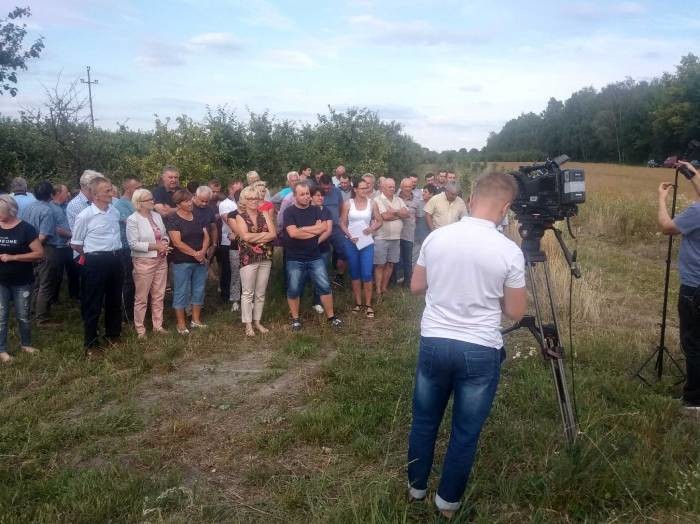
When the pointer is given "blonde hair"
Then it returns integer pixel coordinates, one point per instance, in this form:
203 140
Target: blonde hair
8 206
495 185
245 193
139 196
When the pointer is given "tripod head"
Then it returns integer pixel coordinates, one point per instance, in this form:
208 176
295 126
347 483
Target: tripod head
532 231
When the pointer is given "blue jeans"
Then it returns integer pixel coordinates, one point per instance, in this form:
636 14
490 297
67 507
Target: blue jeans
189 280
469 371
326 256
21 296
361 262
298 271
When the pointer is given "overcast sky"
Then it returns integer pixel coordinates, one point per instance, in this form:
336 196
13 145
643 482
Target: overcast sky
450 71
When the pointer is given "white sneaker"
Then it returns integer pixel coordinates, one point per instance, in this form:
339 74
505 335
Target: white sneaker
318 309
235 306
197 325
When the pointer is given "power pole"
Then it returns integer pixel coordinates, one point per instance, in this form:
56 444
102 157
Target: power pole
89 83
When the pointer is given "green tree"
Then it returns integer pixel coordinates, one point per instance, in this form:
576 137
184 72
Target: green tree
13 56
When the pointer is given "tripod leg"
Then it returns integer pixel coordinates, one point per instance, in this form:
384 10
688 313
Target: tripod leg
556 364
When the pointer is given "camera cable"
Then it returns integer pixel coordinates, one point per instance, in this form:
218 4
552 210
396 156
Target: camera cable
572 355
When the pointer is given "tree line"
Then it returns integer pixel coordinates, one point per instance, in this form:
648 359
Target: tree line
56 143
627 122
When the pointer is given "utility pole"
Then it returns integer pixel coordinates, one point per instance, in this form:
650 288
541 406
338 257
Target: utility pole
89 84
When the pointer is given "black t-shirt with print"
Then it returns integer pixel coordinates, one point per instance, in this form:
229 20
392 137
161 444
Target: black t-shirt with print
191 233
15 241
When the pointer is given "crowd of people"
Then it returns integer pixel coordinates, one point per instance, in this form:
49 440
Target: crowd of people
123 248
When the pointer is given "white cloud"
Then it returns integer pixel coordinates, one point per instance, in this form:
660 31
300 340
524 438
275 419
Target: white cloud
416 33
222 42
598 12
287 58
262 13
158 54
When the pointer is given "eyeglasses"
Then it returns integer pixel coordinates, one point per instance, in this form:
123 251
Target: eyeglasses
146 200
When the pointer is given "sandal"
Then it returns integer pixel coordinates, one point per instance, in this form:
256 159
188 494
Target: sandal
369 311
357 308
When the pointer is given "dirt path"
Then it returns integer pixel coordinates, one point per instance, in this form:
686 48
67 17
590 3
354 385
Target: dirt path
207 417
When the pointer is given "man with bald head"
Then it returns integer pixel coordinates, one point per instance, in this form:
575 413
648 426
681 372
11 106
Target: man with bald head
338 172
405 267
445 208
387 249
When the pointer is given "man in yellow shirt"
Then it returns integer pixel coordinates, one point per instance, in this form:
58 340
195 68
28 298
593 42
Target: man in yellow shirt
445 208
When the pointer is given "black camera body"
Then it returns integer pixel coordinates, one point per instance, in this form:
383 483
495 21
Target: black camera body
547 193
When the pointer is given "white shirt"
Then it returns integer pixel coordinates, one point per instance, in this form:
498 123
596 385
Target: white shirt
225 207
97 230
468 264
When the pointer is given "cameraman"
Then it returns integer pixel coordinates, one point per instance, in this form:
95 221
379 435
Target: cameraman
461 348
687 224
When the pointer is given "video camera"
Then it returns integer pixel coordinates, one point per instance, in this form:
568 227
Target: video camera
547 193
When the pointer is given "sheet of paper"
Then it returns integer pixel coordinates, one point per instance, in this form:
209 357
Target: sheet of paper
356 231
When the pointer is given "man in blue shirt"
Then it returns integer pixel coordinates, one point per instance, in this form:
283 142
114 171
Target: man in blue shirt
18 191
333 201
40 215
687 224
60 243
126 209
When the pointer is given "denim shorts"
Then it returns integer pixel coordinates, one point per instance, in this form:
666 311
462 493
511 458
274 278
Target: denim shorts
189 281
298 271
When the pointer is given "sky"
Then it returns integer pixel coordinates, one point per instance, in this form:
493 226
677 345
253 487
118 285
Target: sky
449 71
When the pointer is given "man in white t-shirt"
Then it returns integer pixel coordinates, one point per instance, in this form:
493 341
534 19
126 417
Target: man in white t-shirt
470 274
227 205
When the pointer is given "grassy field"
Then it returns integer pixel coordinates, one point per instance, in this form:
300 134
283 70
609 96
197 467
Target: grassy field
312 427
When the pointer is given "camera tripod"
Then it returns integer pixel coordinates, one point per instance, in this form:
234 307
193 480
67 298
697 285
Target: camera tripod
547 334
661 349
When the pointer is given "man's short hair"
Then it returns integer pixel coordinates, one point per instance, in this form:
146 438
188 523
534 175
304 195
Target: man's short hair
291 174
495 185
58 188
192 186
18 185
344 176
87 177
169 168
304 167
97 181
204 191
453 187
43 191
301 183
129 179
252 176
325 180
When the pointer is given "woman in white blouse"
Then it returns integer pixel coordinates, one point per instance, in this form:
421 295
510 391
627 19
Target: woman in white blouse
149 245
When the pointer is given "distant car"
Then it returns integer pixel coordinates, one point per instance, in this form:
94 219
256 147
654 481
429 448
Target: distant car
671 161
653 163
